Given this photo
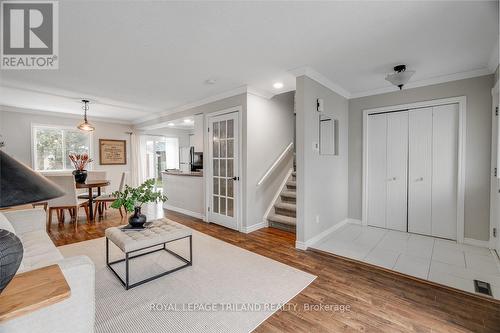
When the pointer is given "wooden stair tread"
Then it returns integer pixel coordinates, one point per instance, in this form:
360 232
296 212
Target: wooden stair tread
282 219
286 206
289 194
291 183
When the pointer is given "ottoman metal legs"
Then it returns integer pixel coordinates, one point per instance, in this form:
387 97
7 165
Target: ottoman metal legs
129 256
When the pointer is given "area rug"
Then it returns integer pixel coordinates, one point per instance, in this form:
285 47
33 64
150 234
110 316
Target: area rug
228 289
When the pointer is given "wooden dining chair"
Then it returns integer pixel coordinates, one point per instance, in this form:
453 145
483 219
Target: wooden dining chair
102 200
68 201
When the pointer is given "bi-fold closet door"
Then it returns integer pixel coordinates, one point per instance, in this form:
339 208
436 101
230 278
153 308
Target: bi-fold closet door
413 170
387 172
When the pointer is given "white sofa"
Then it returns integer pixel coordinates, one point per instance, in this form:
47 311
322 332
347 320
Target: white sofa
74 314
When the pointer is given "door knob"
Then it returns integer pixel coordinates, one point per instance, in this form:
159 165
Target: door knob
419 179
235 178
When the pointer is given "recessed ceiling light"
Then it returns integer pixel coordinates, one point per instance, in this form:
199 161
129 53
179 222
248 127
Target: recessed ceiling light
170 124
210 81
188 121
278 85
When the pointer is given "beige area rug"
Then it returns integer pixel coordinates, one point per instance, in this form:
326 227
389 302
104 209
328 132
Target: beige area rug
228 289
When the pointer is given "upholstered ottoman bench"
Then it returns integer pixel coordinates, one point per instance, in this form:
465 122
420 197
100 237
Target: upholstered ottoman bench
136 243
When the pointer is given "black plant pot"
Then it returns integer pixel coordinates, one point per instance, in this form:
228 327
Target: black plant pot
80 176
11 254
137 220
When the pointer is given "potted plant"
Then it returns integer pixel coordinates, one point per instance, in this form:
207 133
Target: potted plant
80 161
132 199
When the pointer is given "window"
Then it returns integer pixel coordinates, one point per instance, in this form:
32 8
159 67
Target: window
161 153
52 145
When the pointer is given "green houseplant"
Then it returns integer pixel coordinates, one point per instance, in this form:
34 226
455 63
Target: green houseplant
132 199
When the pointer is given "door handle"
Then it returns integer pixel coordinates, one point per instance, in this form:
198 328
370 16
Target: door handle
421 179
391 179
235 178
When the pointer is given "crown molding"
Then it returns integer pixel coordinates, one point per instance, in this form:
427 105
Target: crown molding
426 82
494 57
320 78
74 96
260 92
214 98
191 105
50 113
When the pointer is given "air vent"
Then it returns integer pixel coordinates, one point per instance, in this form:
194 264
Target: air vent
482 287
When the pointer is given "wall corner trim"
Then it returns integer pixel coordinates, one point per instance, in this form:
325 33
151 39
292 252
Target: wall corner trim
255 227
316 239
320 78
477 242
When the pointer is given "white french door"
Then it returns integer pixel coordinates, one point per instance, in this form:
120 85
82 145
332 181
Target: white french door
223 174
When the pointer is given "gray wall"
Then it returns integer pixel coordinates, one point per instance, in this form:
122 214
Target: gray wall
15 127
269 131
222 104
322 181
478 145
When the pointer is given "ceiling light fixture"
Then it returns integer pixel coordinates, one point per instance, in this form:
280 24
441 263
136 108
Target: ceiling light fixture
85 126
188 121
278 85
170 124
400 77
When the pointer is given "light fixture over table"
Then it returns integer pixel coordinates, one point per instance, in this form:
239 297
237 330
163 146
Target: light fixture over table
85 126
400 77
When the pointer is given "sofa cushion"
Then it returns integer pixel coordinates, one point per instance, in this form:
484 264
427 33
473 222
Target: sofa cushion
5 224
39 251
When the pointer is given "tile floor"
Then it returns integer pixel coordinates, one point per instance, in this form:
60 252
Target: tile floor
434 259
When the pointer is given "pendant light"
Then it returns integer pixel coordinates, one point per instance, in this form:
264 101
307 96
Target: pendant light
85 126
400 77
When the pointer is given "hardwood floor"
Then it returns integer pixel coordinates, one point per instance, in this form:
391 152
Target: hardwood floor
378 300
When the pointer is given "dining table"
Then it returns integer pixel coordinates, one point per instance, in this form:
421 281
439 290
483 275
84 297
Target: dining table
90 185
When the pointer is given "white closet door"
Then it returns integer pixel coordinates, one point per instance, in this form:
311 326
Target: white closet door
444 171
377 168
397 162
420 171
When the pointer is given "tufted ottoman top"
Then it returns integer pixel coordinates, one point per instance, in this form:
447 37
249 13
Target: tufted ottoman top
160 231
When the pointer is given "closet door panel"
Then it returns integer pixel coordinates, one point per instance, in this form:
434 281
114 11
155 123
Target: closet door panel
377 165
445 171
420 171
397 162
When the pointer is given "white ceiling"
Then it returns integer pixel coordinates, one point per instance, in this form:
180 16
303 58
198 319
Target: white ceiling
136 58
186 123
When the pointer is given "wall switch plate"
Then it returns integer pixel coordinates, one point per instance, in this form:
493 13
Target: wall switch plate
315 146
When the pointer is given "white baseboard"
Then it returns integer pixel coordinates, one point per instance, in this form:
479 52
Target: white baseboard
354 221
184 211
300 245
277 194
476 242
254 227
308 243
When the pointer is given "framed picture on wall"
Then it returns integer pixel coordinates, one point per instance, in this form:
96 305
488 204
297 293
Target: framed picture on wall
112 152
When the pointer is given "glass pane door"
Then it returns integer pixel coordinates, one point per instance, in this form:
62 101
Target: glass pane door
224 143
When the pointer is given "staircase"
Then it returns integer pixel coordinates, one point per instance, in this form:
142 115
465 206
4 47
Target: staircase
285 209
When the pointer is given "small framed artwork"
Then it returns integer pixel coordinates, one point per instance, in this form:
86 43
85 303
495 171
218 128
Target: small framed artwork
112 152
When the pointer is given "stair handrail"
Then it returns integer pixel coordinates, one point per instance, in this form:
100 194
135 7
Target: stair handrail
275 164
